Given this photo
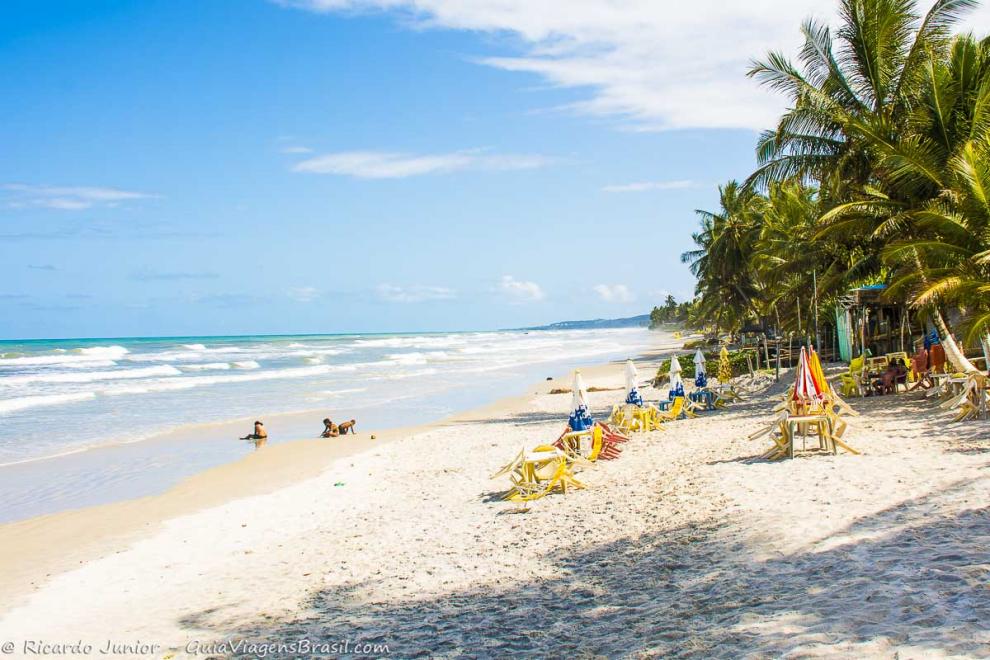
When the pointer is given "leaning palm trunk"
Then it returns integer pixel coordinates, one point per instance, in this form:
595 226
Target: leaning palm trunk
952 350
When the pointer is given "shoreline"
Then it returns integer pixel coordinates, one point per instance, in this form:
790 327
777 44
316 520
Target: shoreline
39 547
123 451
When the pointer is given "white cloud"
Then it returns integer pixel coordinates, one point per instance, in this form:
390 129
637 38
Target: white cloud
394 165
643 186
657 64
303 294
414 294
617 293
520 291
66 198
296 149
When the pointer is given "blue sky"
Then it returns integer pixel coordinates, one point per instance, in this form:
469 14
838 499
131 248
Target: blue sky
252 166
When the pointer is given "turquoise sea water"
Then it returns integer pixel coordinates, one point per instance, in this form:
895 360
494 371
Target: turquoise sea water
88 412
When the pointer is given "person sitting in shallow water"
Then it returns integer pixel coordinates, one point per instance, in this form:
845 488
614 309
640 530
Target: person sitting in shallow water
330 429
259 432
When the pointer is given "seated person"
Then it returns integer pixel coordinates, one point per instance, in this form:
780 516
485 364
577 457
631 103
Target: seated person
937 358
347 426
259 433
330 430
896 373
919 363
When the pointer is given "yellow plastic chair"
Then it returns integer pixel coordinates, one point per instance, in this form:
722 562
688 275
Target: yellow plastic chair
852 380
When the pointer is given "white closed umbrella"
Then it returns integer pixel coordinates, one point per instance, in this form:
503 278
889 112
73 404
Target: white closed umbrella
675 373
632 377
579 394
699 363
579 420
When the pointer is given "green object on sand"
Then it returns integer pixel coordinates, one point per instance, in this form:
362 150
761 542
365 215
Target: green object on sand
339 483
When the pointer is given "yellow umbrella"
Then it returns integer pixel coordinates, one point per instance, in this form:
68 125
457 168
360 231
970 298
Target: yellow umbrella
724 366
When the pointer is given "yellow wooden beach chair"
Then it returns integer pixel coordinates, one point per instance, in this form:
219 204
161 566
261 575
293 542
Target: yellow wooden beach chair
631 418
677 408
538 473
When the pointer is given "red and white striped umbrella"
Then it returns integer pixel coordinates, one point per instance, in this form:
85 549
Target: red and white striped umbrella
806 388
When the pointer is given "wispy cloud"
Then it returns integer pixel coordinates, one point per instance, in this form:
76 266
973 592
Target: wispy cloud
296 149
643 186
520 290
153 276
303 294
617 293
48 267
396 165
655 65
414 294
66 198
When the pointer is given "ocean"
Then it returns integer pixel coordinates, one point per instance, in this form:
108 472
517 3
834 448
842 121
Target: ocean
82 421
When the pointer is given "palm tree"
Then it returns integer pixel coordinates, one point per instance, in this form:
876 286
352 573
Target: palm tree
874 112
726 286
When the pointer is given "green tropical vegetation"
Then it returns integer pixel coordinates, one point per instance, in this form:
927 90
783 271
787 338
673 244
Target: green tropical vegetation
877 173
671 312
737 363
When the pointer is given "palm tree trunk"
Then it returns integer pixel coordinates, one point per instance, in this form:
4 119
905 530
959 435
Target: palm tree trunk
952 350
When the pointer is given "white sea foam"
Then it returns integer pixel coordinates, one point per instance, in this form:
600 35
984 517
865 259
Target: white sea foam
352 390
245 364
111 352
207 366
77 355
88 376
24 402
158 384
440 341
189 382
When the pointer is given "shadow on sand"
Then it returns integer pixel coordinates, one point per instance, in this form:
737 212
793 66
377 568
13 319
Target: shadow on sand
906 576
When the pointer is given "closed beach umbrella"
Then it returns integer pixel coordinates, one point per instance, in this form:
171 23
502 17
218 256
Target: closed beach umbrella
632 376
724 366
579 419
676 383
817 373
805 387
700 375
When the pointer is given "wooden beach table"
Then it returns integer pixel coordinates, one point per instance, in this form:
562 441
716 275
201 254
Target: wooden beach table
801 423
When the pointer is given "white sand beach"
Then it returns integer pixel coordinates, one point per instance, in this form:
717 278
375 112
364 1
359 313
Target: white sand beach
684 546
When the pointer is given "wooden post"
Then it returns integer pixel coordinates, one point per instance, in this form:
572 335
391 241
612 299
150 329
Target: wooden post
766 350
777 374
903 316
